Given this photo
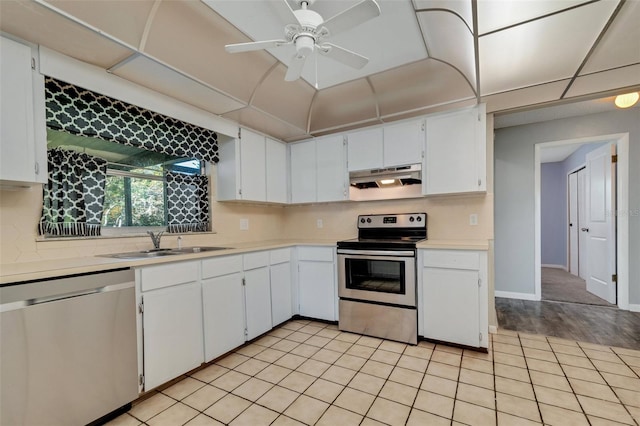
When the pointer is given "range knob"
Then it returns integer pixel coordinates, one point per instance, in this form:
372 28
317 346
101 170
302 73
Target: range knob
419 219
362 220
368 220
411 219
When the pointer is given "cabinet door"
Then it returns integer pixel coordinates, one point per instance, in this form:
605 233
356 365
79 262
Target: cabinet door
276 164
17 131
223 304
172 323
252 166
331 174
365 149
303 172
451 305
281 297
316 290
403 143
257 301
455 153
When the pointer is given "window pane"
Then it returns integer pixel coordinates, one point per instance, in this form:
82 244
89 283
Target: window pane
133 201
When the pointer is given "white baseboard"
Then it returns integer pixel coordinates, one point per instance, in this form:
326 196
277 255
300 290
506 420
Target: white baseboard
555 266
514 295
493 329
634 307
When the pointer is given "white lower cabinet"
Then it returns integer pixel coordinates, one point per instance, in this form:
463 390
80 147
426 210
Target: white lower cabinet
257 293
172 323
281 285
454 296
223 314
316 282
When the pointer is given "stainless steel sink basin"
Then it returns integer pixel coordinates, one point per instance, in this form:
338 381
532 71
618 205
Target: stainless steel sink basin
148 254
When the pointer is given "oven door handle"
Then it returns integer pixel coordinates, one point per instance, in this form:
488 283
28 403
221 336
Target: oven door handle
402 253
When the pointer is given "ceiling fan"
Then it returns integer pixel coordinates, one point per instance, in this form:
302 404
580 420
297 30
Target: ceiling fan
309 31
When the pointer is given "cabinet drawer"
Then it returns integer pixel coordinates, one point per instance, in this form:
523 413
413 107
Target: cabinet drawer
160 276
279 256
219 266
322 254
255 260
452 259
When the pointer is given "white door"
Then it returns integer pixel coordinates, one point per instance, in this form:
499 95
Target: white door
281 297
252 166
257 301
582 223
364 149
573 224
172 323
223 305
331 167
276 159
403 143
600 226
316 290
303 172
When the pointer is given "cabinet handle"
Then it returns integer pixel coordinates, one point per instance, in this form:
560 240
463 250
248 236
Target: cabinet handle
37 168
584 229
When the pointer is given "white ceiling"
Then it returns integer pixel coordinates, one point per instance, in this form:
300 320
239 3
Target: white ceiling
425 55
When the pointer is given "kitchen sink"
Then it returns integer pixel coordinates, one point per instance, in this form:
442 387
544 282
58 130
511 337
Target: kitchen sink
153 253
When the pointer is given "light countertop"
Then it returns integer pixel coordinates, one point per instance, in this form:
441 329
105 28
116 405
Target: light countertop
38 270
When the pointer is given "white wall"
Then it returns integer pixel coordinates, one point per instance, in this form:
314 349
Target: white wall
514 193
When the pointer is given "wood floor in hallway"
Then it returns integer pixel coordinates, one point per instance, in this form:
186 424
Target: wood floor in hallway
587 323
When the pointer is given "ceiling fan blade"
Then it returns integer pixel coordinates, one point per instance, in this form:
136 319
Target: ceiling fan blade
295 68
284 12
352 17
254 45
343 55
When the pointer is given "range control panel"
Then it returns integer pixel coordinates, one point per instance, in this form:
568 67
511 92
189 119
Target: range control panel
404 220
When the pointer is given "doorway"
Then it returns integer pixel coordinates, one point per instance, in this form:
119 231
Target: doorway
615 269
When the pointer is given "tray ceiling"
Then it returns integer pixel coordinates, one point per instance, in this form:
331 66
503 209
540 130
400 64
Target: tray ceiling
425 55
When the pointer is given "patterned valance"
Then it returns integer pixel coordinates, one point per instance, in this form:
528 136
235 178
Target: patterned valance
187 203
82 112
73 195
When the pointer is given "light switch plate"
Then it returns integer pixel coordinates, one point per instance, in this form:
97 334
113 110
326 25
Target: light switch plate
473 219
319 224
244 224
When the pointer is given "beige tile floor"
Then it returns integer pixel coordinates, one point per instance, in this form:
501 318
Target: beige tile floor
311 373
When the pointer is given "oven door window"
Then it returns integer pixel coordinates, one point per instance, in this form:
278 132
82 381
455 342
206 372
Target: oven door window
384 276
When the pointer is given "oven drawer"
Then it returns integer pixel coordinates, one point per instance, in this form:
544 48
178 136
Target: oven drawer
451 259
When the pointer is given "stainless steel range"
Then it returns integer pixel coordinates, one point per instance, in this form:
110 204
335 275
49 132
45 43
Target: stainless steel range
377 276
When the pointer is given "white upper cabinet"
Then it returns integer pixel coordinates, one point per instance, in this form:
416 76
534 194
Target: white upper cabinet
318 170
365 149
252 168
23 135
276 165
455 158
303 172
331 169
403 143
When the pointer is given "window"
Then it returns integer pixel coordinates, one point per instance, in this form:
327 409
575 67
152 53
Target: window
135 189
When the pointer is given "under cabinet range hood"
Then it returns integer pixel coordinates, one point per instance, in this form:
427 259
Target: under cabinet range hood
386 178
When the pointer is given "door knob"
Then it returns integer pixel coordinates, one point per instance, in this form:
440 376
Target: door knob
584 229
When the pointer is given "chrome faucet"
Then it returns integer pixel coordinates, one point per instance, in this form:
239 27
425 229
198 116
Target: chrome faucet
155 238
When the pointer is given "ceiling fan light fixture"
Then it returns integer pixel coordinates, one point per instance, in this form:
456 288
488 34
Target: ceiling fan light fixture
304 45
627 100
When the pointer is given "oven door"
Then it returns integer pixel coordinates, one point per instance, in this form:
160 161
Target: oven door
378 276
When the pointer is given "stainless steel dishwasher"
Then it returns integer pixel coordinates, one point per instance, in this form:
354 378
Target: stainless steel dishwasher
68 349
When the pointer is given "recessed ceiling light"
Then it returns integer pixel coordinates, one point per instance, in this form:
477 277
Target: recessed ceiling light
627 100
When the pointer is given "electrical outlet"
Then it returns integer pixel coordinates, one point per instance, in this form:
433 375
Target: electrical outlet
473 219
319 223
244 224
